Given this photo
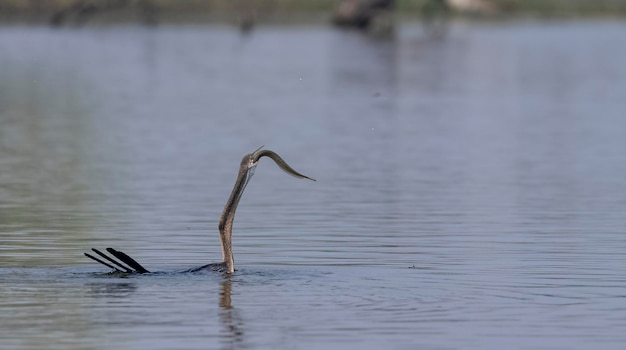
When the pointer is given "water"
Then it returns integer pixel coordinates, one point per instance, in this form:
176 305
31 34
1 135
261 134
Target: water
470 188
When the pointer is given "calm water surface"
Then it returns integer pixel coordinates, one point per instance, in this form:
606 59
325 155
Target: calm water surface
471 189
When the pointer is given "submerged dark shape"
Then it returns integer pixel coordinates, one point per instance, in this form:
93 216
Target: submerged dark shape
78 12
125 263
360 13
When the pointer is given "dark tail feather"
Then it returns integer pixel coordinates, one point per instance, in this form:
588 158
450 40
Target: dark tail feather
102 262
127 260
133 266
111 260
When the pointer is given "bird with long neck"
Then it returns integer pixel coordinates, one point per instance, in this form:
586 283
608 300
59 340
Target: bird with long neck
246 170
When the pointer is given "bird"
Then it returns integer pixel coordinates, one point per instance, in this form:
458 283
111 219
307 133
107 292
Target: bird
121 262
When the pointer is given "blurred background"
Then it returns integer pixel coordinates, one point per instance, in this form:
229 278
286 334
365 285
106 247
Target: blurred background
249 12
469 156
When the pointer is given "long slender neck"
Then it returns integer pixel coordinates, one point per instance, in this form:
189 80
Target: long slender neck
228 216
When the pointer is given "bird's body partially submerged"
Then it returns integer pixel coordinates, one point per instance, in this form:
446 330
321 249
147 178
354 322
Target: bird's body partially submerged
246 170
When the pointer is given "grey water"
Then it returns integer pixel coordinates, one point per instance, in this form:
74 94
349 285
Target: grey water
470 194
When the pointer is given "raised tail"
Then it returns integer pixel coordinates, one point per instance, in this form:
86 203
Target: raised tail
124 263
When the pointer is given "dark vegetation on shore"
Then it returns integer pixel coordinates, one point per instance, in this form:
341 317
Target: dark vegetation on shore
286 7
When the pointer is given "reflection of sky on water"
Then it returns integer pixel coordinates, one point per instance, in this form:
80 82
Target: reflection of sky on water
490 159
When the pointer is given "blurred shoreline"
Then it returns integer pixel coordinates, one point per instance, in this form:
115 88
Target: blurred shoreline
302 11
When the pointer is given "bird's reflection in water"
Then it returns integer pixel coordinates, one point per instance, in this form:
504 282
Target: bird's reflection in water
109 289
232 335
